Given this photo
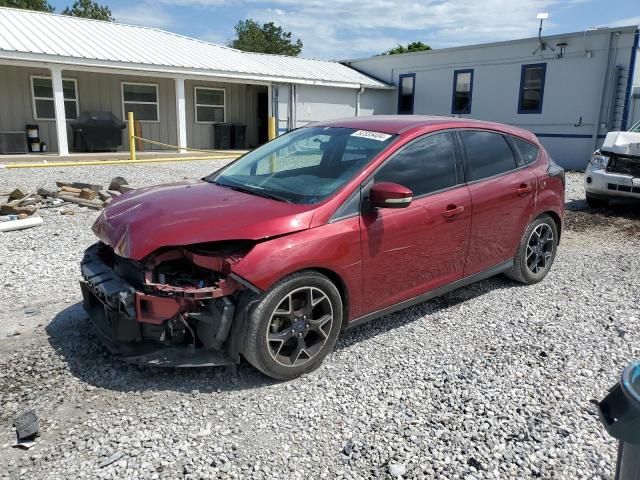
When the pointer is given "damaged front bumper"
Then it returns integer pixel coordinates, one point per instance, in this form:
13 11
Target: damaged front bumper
163 325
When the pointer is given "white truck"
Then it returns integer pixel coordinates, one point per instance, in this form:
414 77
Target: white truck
614 169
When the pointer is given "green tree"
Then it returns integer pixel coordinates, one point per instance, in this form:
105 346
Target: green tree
89 9
268 38
39 5
411 47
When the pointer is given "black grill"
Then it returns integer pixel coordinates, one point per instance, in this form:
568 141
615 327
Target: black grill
624 165
97 132
623 188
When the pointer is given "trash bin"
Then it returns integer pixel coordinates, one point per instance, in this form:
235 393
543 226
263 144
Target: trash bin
620 414
239 136
222 136
33 137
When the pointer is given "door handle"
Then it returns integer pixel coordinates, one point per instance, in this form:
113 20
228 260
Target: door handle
524 189
453 211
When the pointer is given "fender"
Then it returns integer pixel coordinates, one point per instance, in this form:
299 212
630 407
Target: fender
335 247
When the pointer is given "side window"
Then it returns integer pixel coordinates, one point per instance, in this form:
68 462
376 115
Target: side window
528 152
488 153
462 89
532 88
426 165
406 91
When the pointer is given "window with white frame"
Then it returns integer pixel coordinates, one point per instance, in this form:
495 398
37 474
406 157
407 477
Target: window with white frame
142 100
209 105
43 104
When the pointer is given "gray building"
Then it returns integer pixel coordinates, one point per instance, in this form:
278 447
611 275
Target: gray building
54 67
570 93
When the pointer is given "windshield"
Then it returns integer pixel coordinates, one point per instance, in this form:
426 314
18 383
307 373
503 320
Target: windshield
304 166
635 128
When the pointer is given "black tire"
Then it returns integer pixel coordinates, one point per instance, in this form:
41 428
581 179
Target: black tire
594 202
524 268
273 361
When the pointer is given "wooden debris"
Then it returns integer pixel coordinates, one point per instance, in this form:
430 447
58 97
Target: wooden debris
13 209
117 183
96 205
17 194
104 195
46 193
80 185
67 211
114 193
27 201
88 194
66 188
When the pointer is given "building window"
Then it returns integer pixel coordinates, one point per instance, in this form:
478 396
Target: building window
142 100
406 92
43 104
209 105
532 88
462 89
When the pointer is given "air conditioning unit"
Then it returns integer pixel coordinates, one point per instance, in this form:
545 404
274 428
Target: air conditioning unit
13 142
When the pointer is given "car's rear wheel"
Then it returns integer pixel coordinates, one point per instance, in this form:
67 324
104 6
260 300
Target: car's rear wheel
594 202
294 326
536 252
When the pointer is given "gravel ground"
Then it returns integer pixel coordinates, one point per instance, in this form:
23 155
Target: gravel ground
495 380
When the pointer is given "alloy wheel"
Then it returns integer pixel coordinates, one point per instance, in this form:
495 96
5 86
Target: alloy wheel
540 249
299 326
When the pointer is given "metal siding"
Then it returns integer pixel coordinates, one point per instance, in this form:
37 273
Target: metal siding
62 36
376 102
17 106
314 104
240 104
573 85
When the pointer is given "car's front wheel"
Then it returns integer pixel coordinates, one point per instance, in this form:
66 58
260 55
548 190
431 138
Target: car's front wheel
536 252
294 326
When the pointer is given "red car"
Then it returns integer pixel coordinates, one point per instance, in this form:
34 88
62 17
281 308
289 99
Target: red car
321 229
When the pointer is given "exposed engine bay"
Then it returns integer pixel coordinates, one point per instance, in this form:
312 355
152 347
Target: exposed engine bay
181 300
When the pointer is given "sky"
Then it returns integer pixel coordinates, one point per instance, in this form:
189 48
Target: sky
343 29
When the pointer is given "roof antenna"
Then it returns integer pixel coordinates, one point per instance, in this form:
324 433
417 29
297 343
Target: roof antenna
543 45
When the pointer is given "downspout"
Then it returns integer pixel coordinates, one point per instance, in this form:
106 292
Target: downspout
627 95
613 85
603 82
360 92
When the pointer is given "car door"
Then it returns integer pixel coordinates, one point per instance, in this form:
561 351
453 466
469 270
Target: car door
411 250
503 198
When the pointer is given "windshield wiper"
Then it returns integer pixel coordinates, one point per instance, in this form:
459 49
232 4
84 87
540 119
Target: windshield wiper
256 192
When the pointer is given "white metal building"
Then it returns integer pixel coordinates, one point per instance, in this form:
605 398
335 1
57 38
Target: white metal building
570 93
54 67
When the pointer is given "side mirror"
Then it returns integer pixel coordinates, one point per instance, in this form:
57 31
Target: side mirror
390 195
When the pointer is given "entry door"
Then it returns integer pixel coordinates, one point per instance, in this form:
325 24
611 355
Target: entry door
263 116
409 251
503 198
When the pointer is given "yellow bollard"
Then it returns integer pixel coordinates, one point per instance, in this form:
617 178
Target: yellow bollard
272 128
132 137
272 135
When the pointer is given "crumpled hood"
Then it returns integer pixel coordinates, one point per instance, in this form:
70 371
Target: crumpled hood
143 220
622 143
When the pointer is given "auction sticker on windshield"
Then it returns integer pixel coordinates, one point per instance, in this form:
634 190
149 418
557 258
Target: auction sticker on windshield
381 137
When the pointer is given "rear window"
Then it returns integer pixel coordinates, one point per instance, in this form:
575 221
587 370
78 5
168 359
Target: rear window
489 154
528 152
